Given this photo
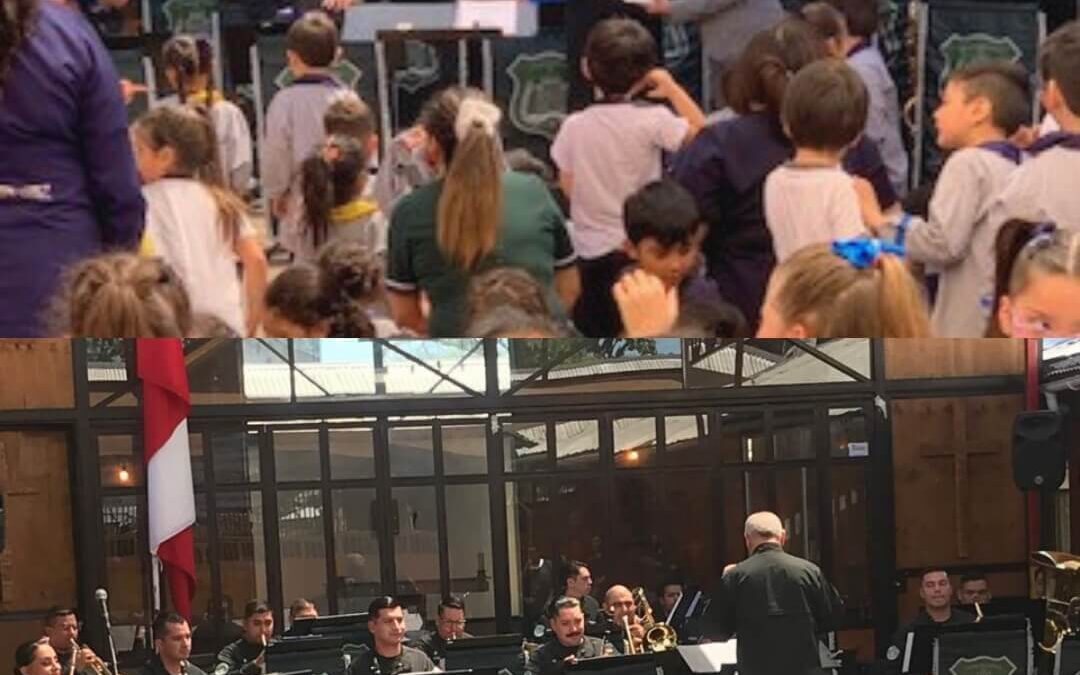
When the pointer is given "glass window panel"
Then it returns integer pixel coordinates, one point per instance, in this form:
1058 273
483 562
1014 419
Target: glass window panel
525 446
333 367
125 549
686 440
236 456
198 459
712 363
848 435
121 462
634 533
464 449
688 505
793 435
107 371
412 452
851 567
303 546
741 437
352 453
217 370
796 504
756 486
240 530
777 362
468 531
733 515
635 441
416 548
544 511
201 533
356 544
461 360
577 444
296 454
590 365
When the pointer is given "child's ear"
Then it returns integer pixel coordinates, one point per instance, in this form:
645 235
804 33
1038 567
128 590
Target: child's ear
982 109
1004 316
629 249
167 155
338 53
1051 96
585 69
373 145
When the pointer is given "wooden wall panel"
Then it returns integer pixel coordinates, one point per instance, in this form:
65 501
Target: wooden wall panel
37 374
931 438
37 565
13 634
940 357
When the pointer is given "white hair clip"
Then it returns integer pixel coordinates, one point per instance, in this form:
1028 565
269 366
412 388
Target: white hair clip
478 113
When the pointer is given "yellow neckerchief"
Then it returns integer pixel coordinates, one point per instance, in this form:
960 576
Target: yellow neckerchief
202 96
361 207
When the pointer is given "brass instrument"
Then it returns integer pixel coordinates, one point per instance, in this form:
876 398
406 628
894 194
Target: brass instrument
1055 578
659 637
628 643
96 665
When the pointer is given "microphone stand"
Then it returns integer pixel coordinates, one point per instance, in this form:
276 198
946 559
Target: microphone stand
109 636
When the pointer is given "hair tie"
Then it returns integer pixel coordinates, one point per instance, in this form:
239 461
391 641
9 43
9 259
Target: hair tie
863 252
476 113
1044 230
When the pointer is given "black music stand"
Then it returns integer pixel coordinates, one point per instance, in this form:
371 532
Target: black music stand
393 75
1006 639
492 651
318 655
636 664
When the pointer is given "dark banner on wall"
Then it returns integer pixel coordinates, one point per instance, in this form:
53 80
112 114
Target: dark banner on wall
960 33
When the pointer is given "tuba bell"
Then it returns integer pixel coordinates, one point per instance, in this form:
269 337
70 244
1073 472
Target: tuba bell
1055 578
659 637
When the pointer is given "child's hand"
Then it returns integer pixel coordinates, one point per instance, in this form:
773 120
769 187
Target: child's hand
647 308
868 204
1025 136
657 84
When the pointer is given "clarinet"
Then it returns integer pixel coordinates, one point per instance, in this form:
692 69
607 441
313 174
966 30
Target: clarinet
183 667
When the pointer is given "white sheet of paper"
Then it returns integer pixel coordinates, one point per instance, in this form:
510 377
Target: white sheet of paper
491 14
709 658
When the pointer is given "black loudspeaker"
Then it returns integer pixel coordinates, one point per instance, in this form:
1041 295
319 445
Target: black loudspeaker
1039 450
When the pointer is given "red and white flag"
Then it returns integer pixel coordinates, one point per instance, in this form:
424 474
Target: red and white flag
169 487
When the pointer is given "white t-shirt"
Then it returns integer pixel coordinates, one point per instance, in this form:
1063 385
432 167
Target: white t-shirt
233 139
612 150
810 205
184 228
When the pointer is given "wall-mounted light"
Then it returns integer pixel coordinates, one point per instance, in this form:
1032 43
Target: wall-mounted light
124 475
632 456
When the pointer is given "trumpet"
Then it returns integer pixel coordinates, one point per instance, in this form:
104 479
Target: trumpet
94 664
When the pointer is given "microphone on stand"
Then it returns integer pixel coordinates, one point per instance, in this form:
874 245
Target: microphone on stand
102 597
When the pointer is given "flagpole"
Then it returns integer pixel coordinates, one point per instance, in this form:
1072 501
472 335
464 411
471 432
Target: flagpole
156 568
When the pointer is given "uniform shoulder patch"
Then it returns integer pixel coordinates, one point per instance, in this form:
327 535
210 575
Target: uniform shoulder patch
893 653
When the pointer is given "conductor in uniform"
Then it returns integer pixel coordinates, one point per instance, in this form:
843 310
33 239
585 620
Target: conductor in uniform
389 655
776 604
569 643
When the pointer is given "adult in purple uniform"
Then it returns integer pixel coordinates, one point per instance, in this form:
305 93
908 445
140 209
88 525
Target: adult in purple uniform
68 185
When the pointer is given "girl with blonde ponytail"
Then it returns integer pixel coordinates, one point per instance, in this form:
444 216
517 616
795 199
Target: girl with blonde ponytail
850 288
475 216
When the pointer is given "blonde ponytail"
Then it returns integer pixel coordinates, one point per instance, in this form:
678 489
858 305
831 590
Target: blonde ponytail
465 125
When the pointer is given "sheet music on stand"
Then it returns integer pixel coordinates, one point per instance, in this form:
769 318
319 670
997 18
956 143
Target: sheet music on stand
711 657
501 15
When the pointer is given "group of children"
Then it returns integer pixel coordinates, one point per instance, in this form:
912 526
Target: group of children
783 219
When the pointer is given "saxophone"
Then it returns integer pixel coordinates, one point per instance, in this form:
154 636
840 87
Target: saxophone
659 637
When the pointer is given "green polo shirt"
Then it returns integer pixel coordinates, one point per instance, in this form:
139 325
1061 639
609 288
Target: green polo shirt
532 236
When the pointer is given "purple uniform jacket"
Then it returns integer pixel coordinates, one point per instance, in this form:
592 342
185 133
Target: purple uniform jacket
68 185
725 167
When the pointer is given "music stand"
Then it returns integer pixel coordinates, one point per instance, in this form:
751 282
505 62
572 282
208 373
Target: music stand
318 655
493 651
390 56
999 632
351 627
636 664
